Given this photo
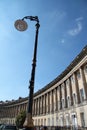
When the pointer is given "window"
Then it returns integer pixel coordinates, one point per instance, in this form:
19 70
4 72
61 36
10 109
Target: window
67 121
41 121
56 120
52 121
68 101
50 107
59 106
36 122
48 121
67 82
72 79
74 120
44 121
54 106
61 121
81 94
74 98
62 103
78 75
85 69
82 119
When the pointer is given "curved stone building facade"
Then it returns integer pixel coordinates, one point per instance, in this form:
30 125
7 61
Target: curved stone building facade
62 102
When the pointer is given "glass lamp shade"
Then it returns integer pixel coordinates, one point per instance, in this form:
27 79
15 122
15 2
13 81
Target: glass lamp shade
20 25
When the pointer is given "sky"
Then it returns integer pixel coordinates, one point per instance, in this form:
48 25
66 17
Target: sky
62 36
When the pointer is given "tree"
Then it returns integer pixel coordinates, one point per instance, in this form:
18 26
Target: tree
20 119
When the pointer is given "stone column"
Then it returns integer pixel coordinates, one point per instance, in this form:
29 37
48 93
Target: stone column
36 106
52 103
60 97
77 88
56 99
44 104
71 93
49 102
41 105
84 82
65 95
33 111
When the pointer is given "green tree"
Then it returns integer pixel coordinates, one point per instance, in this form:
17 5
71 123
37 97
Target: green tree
20 119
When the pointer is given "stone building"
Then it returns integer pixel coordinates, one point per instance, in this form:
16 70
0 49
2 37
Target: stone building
62 102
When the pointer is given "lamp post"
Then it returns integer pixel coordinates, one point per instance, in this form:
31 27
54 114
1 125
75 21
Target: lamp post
21 25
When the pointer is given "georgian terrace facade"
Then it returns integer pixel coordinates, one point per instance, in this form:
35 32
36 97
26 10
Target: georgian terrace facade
62 102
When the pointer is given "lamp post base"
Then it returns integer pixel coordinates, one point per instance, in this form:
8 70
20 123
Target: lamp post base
28 124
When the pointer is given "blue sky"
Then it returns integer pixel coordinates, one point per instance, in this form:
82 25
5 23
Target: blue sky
62 35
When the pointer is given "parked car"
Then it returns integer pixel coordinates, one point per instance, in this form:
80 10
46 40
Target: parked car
44 128
9 127
1 126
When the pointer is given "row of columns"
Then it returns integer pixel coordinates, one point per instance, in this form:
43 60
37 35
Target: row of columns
12 111
63 96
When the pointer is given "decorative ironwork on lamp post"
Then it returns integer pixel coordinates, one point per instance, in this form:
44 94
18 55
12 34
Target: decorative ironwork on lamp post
21 25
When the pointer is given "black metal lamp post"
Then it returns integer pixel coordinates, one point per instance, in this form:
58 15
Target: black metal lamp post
21 25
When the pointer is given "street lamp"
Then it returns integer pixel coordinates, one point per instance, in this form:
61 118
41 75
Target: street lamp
21 25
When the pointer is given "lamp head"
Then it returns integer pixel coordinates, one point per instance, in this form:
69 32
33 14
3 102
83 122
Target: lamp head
21 25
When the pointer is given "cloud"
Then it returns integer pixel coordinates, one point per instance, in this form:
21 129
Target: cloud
75 31
79 18
55 18
57 15
62 40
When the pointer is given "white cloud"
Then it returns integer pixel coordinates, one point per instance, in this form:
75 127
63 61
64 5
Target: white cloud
75 31
55 18
57 15
79 18
62 41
